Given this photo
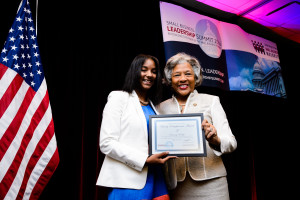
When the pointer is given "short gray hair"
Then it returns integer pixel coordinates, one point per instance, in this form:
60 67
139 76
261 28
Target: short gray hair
179 59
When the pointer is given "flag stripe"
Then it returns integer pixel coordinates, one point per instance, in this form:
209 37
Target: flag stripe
38 133
42 171
31 150
36 156
44 178
14 174
12 110
6 79
13 128
10 94
3 69
12 150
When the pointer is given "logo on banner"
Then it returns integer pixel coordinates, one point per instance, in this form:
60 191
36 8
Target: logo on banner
265 49
258 46
208 38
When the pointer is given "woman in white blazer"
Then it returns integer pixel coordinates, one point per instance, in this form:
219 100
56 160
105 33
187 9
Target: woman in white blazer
198 177
127 168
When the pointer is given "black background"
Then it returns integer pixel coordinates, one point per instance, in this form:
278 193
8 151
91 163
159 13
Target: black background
86 48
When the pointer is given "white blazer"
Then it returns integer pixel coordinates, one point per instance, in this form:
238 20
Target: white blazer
200 168
124 141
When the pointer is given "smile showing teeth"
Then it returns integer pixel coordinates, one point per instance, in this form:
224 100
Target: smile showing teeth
147 81
183 87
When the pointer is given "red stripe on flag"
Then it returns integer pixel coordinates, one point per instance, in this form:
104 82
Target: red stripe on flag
14 167
3 69
45 177
41 146
10 93
13 128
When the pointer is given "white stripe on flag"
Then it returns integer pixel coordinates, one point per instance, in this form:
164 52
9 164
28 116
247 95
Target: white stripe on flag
13 108
15 145
38 133
6 80
40 167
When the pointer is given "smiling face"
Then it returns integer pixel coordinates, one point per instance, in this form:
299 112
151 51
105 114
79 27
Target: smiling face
148 74
183 80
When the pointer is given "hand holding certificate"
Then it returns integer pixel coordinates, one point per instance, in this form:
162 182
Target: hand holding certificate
180 135
159 158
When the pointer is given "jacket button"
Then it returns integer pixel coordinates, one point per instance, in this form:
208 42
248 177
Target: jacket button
195 104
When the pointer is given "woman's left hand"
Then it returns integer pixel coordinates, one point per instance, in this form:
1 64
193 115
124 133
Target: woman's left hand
211 134
159 158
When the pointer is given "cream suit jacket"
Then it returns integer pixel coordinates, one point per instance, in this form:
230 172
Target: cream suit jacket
200 168
124 141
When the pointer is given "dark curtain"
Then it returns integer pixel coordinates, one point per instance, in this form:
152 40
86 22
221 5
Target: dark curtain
86 48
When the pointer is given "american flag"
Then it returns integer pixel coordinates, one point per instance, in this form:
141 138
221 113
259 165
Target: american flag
28 149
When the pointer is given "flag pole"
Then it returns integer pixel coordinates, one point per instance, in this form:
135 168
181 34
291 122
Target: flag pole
36 16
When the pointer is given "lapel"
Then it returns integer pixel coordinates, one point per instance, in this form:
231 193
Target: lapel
153 107
139 111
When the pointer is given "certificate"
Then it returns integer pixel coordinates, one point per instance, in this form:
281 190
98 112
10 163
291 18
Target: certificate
179 134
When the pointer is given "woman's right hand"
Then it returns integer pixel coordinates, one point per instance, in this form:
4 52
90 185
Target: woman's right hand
159 158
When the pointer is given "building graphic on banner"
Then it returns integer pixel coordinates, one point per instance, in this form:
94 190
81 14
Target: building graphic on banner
258 76
270 83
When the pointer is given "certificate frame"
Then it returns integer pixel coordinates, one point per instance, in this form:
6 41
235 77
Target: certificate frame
179 134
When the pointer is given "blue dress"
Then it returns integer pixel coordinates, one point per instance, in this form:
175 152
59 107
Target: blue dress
155 187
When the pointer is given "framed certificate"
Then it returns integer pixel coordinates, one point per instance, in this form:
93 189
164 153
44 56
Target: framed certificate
179 134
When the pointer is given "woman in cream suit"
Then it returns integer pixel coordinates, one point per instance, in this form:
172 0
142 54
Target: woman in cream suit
128 170
202 178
